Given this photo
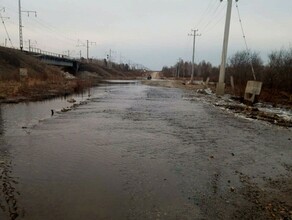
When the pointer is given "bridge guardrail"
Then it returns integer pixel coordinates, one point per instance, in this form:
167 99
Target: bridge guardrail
47 53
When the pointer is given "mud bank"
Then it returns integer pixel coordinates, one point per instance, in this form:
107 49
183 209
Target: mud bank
15 92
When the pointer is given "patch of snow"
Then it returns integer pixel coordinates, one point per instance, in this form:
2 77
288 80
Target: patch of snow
68 75
207 91
284 113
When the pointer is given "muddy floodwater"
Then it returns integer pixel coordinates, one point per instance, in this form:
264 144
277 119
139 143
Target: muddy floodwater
131 151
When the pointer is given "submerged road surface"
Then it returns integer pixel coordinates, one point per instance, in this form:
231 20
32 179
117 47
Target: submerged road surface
139 152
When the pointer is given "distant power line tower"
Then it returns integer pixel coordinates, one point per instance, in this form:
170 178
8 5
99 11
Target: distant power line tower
111 57
87 46
20 23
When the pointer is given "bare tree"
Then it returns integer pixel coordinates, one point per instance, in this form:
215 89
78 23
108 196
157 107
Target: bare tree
205 69
239 67
278 74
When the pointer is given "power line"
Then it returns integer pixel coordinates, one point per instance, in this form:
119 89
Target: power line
215 24
38 27
53 29
2 19
218 16
203 15
210 15
54 33
45 26
213 16
245 41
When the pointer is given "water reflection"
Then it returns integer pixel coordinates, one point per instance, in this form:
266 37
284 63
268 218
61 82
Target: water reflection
8 184
9 194
1 124
21 160
19 118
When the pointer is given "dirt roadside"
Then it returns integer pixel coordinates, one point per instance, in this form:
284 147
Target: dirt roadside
229 103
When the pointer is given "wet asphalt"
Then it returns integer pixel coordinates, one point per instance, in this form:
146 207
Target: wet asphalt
139 152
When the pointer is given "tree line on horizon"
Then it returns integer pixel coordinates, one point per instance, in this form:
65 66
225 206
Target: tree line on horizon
276 74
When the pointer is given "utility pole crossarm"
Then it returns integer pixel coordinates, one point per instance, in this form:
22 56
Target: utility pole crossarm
3 10
28 12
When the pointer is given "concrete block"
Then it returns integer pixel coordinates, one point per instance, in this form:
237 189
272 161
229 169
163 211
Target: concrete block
23 74
207 81
253 88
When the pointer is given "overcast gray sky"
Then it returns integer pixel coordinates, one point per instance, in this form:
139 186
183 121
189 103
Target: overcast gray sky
150 32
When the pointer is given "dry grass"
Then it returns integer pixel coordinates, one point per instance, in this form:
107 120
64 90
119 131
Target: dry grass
42 79
11 60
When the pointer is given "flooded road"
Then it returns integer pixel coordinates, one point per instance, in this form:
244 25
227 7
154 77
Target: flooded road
140 152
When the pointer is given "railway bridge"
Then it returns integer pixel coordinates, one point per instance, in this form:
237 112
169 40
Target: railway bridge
54 59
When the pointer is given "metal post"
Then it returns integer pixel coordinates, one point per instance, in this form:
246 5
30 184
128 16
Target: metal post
110 59
221 84
29 47
87 50
20 27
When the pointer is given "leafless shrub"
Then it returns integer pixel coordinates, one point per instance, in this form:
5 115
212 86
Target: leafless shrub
278 74
240 68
